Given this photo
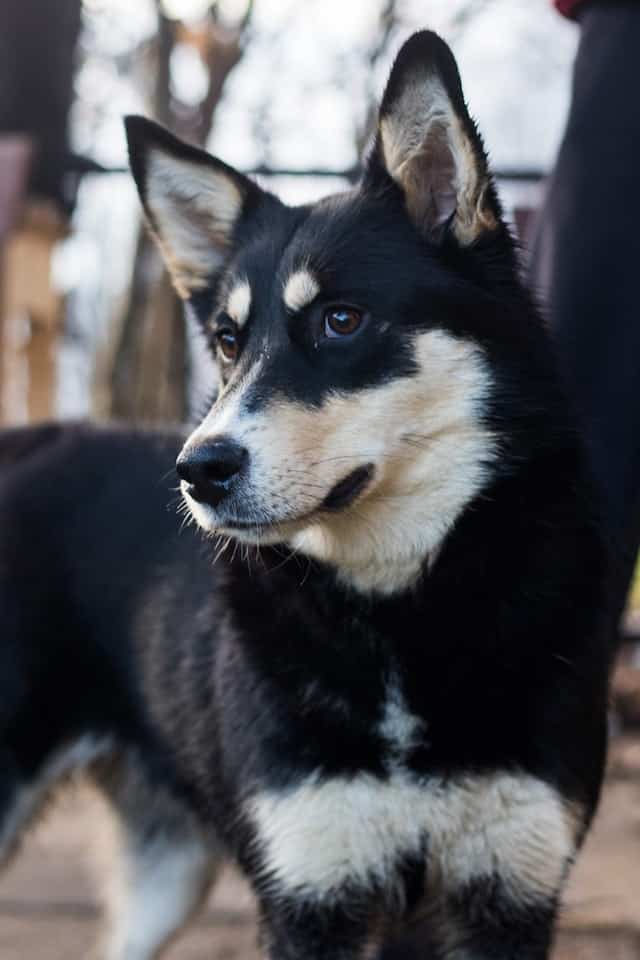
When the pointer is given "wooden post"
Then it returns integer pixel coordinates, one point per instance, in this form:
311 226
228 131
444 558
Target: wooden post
32 316
16 151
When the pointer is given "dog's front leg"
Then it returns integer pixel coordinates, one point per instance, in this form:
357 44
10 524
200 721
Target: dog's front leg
498 876
489 921
295 929
479 922
495 871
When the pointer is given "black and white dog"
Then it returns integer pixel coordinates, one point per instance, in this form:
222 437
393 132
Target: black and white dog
389 703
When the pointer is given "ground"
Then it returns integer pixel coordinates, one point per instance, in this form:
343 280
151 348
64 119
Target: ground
49 897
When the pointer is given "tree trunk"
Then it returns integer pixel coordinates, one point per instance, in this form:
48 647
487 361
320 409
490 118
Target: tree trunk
149 379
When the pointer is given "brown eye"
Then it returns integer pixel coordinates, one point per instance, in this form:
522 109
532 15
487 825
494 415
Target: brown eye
341 321
227 344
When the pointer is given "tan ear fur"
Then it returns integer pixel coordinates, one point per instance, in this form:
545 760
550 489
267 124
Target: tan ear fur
192 202
192 210
429 145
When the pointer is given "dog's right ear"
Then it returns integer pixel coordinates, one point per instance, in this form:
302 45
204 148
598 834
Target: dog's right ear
192 202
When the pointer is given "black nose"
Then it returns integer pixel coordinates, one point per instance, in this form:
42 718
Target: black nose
210 467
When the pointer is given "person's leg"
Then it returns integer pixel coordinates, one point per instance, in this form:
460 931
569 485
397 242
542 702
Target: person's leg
586 261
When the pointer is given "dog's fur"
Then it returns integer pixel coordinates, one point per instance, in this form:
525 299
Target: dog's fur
395 708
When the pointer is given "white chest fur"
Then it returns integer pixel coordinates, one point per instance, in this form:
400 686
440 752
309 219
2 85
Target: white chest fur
325 832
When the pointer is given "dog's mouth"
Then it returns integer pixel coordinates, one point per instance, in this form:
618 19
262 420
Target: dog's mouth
346 490
341 496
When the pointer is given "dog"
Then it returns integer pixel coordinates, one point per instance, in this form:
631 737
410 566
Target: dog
386 701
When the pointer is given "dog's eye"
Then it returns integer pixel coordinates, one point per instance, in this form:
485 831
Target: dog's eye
341 321
227 343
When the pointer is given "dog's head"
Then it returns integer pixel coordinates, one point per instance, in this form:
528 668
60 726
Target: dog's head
350 421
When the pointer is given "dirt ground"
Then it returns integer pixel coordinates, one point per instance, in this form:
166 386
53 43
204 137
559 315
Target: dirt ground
49 897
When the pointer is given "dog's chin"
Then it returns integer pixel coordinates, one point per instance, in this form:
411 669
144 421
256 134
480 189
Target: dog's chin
245 531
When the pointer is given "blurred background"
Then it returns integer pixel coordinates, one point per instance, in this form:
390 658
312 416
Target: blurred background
89 325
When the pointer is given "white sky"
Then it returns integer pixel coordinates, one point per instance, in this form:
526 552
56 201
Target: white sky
302 88
303 74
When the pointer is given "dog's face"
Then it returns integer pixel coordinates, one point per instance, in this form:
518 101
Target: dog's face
349 423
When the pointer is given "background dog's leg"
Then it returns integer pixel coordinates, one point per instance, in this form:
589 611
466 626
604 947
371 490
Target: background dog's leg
12 808
25 788
164 869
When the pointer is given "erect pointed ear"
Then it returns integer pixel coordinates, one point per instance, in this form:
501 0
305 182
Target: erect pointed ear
428 144
192 202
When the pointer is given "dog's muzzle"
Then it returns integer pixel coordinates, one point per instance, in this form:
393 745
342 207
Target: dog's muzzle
212 468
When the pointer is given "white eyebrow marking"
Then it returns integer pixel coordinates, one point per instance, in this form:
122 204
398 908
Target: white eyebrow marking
239 303
300 289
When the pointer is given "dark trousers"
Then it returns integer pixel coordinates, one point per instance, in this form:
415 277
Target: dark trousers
586 264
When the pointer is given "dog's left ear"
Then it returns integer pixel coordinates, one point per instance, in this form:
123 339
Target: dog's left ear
193 202
428 144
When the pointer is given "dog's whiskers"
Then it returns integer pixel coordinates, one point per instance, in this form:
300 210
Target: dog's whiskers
225 544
